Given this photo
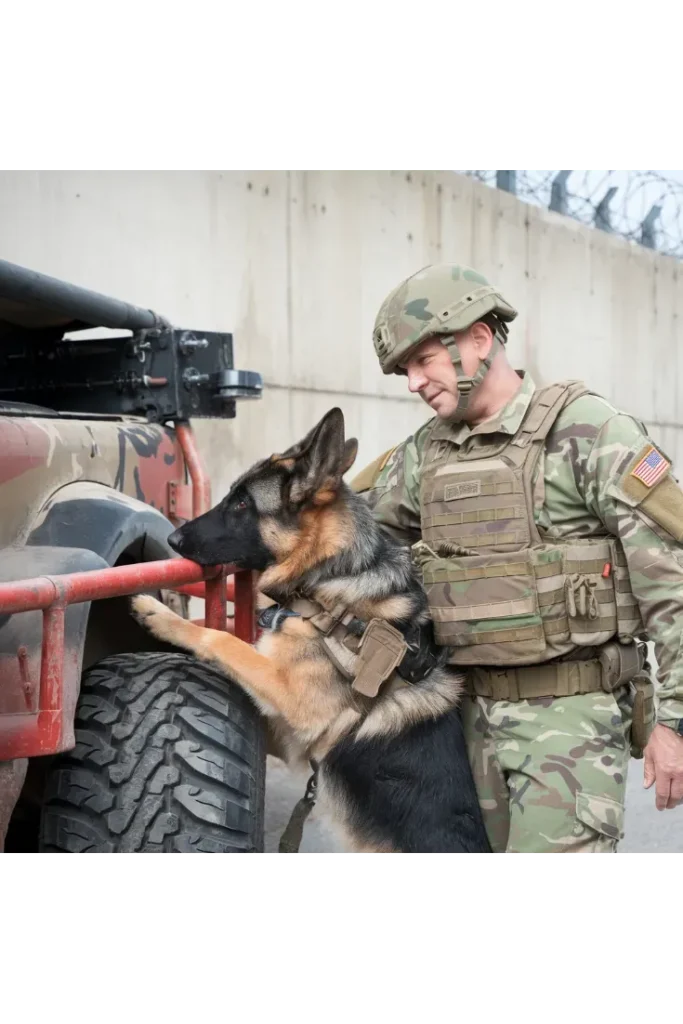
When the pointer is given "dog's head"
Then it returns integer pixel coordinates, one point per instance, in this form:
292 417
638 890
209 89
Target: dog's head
259 522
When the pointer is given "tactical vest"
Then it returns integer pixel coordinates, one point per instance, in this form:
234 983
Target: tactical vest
499 594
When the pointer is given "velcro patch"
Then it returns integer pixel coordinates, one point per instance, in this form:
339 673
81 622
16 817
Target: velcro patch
664 504
368 476
661 498
651 467
466 489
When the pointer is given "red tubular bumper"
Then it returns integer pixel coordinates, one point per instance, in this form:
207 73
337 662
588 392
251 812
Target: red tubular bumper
40 732
197 589
201 485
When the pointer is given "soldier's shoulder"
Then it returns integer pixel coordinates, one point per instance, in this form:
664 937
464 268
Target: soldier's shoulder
591 408
590 414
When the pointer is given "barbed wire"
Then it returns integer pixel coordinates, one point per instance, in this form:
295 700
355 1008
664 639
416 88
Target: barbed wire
643 206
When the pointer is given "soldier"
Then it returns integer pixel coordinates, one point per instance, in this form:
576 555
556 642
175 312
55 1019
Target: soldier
547 526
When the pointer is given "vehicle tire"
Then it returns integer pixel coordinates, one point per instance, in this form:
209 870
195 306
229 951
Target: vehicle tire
169 758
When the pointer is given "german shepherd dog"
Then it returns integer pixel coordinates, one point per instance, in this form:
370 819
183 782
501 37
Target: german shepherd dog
393 769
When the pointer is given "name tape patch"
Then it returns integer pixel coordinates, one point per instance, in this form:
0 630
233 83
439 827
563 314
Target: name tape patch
651 468
466 489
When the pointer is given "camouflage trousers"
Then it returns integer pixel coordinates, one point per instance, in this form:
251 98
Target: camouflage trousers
551 773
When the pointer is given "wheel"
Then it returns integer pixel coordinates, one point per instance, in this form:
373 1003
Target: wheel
169 758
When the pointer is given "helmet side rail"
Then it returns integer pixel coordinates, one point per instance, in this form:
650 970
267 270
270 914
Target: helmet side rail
41 730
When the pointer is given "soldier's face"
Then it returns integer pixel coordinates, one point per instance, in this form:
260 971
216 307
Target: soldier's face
432 375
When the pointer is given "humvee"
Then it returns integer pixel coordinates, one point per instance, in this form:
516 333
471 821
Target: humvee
108 741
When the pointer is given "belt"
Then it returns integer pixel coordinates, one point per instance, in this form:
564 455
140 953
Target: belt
561 679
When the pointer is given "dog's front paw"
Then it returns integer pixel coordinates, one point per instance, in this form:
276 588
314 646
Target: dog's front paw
153 615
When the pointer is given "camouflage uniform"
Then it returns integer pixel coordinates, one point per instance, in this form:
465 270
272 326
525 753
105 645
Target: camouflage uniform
551 772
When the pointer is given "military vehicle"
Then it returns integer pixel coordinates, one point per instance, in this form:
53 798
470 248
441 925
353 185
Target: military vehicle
108 742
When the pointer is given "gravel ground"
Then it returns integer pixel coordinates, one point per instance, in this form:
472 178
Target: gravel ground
647 830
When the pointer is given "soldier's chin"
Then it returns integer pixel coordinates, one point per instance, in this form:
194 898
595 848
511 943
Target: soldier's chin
440 403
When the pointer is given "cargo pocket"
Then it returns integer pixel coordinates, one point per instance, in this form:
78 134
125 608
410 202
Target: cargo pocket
605 819
485 607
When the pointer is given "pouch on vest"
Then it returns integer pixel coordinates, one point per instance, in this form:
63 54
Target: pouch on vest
532 605
486 608
499 592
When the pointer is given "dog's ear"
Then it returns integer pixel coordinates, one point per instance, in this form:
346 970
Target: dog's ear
320 461
299 448
350 452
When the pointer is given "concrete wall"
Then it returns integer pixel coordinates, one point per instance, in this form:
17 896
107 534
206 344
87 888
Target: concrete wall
296 264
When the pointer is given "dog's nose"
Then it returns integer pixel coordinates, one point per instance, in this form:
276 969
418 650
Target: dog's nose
175 540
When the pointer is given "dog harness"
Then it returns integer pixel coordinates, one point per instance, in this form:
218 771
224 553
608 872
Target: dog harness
366 653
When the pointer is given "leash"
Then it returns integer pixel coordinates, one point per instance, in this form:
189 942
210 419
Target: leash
293 834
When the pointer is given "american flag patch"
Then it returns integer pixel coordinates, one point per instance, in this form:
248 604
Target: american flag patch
651 468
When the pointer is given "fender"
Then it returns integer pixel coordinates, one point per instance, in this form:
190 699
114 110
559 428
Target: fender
83 526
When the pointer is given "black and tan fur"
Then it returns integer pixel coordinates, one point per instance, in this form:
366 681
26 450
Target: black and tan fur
393 769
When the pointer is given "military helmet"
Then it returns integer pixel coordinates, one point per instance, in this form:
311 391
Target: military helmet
439 299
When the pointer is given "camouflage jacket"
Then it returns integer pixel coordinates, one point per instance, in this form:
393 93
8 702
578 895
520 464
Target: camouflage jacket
587 454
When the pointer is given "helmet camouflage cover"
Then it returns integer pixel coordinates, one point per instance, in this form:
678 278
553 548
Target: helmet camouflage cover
439 299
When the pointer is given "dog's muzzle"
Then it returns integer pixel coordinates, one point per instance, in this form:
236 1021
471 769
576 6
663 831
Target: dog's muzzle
175 540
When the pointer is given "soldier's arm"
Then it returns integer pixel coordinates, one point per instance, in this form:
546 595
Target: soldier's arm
391 487
648 519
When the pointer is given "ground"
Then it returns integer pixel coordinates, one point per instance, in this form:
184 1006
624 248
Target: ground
647 829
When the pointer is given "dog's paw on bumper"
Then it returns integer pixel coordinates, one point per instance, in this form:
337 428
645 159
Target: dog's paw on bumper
151 614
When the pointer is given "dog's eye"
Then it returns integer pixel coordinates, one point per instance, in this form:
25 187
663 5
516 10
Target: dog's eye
240 506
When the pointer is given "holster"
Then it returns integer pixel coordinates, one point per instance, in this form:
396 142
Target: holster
643 713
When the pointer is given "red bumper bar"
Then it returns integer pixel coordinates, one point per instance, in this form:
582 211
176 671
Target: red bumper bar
197 589
52 594
201 485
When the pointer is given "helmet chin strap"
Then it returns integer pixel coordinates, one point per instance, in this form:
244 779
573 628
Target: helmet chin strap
468 385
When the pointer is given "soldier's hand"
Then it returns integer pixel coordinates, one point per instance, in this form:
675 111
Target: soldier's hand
664 767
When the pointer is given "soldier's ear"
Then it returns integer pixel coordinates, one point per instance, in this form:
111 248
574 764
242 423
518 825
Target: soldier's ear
482 337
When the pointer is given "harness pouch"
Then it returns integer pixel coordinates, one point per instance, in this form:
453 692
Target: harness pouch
485 607
381 650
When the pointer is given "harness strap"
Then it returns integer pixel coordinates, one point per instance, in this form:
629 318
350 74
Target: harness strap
366 653
325 619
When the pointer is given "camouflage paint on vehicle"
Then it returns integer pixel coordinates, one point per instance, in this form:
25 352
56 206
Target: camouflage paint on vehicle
38 456
47 466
